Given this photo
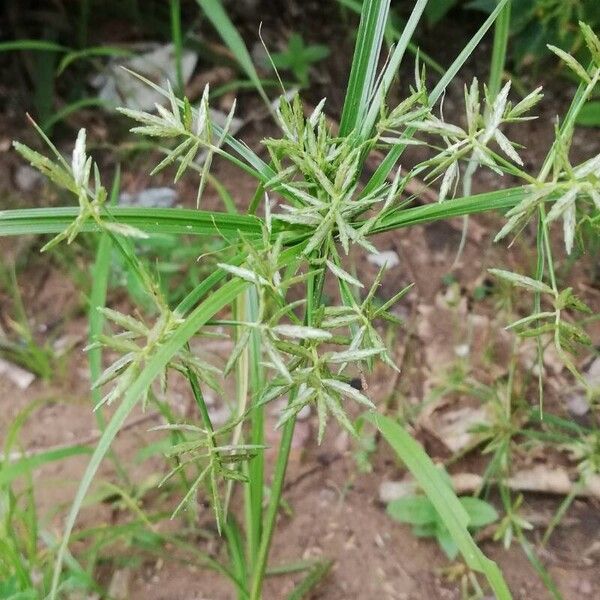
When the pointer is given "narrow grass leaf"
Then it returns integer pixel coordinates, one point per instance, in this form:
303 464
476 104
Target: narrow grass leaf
149 220
11 470
348 391
301 332
217 15
341 274
40 45
441 495
364 63
391 68
155 365
97 301
523 281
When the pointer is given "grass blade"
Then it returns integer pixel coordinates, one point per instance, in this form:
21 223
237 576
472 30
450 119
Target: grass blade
391 68
39 45
392 33
100 273
364 63
26 464
256 468
217 15
184 332
443 498
428 213
537 564
501 33
311 580
460 60
233 535
75 55
194 222
69 109
151 220
97 301
177 39
387 165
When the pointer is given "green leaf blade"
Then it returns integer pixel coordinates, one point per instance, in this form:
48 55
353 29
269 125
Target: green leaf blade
443 499
364 63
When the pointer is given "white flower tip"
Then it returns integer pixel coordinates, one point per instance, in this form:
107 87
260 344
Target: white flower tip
79 158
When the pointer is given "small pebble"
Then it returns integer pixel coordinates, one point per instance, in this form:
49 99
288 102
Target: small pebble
27 178
577 404
160 197
585 587
387 258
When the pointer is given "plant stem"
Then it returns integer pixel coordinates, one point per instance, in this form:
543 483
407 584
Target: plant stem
177 43
97 300
314 292
200 403
256 467
501 32
271 516
241 388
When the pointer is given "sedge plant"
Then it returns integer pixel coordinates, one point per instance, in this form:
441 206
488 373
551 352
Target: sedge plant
290 342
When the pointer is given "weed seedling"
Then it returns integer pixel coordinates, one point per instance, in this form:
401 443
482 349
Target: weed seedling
419 512
298 57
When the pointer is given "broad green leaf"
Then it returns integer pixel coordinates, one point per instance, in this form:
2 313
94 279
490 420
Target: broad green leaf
414 510
481 513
